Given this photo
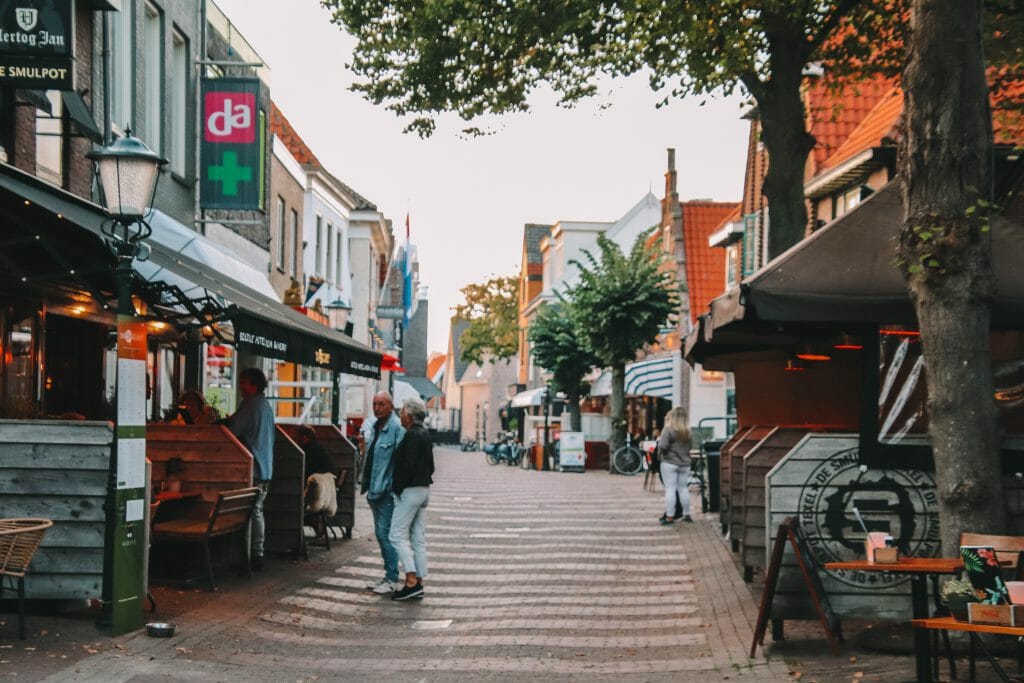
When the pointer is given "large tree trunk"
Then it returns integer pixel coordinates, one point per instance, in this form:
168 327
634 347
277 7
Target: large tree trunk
618 408
784 130
572 398
945 253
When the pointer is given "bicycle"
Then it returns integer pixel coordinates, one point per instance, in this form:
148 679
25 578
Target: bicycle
628 459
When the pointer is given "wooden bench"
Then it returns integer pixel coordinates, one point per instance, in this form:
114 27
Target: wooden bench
229 516
972 630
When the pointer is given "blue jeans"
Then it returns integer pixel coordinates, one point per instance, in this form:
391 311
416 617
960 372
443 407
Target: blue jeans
408 527
676 480
383 509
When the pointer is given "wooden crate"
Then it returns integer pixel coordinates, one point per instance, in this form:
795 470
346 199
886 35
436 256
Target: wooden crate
213 459
750 439
756 464
284 508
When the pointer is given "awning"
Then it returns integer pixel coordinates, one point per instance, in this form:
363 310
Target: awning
389 363
530 397
423 387
602 386
197 267
846 273
650 377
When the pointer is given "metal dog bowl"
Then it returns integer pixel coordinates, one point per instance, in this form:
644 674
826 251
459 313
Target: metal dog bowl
158 629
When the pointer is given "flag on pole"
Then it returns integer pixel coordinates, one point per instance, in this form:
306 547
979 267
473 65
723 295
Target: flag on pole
407 293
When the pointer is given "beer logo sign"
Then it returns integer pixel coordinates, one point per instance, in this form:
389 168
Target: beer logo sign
27 17
901 503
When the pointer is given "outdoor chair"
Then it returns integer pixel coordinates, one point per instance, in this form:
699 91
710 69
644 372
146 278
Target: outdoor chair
319 520
19 539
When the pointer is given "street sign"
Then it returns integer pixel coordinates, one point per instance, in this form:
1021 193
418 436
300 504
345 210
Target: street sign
232 147
390 312
36 39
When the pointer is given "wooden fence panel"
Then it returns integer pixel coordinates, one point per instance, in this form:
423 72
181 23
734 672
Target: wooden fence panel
213 460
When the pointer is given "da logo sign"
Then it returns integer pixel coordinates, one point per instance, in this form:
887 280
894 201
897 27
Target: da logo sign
232 153
230 117
901 503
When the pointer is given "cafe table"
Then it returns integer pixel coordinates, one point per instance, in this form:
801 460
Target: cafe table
919 569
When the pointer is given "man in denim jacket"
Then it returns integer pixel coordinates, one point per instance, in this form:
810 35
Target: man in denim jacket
382 440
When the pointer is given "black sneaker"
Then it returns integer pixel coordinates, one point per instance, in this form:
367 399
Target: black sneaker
408 592
256 563
687 518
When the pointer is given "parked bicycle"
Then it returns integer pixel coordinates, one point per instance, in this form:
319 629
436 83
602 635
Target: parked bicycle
470 445
628 459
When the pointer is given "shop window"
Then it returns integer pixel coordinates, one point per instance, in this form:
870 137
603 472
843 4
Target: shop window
121 80
281 237
153 46
50 140
749 244
293 224
219 388
179 103
328 268
318 264
19 368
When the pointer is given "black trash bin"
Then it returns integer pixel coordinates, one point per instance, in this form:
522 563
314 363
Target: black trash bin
713 457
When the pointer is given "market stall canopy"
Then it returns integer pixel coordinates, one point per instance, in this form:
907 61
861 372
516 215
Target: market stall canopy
846 272
530 397
200 275
421 386
650 377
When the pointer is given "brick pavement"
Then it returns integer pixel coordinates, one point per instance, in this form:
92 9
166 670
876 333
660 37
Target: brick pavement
534 574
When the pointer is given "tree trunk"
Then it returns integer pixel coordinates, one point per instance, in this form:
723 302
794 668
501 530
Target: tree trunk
618 438
572 398
945 253
784 130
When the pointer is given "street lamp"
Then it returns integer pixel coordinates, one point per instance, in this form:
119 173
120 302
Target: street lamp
128 171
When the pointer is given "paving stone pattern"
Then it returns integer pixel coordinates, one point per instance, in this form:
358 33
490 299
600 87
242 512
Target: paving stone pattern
533 575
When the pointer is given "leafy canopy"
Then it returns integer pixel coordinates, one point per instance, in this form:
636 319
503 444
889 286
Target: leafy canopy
557 347
492 310
622 301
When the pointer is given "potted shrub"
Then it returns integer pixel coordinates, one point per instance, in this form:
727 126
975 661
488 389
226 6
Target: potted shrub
956 594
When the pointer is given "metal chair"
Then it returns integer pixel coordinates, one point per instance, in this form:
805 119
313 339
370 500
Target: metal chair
19 538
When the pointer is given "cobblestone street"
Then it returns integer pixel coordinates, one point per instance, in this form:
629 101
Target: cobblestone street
533 574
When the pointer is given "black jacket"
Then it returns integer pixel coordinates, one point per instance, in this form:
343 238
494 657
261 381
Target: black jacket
413 460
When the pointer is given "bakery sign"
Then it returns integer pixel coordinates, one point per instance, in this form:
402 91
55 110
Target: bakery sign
36 41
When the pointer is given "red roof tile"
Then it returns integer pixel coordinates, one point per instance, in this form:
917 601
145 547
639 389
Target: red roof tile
832 116
705 266
881 127
434 363
280 126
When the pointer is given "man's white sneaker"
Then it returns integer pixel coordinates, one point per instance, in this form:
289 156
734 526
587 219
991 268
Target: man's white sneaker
374 585
384 587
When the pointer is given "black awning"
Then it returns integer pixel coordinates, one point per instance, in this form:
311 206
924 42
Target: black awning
79 113
306 341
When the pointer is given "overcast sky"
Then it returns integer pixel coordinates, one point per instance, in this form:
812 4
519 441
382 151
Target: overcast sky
469 198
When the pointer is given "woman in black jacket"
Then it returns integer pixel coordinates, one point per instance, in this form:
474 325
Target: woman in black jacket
413 467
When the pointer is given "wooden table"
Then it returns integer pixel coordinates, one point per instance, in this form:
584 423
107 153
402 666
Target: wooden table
951 624
919 569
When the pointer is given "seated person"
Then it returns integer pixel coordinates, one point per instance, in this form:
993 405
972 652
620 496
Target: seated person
192 410
317 460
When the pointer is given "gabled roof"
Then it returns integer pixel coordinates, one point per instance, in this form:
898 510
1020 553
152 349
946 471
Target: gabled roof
881 128
533 233
297 147
705 266
435 364
833 116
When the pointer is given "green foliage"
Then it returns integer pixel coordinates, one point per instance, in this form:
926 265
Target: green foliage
622 301
492 310
557 347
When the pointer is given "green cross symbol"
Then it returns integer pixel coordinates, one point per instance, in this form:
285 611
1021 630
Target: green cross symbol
230 174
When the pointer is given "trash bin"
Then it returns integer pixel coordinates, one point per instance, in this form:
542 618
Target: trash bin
713 457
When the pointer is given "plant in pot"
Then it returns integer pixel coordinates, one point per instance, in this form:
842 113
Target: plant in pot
956 594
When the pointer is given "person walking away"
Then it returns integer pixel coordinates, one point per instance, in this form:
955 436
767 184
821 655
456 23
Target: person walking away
674 448
377 482
253 424
414 467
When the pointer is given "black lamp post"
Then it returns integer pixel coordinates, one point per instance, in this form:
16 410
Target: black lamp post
128 171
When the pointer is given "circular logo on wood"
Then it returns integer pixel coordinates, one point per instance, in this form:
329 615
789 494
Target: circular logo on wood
900 503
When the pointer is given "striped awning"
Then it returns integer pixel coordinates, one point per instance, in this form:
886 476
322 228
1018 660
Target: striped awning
650 377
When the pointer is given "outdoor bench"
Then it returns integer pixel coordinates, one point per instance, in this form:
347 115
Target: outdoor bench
973 631
229 516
